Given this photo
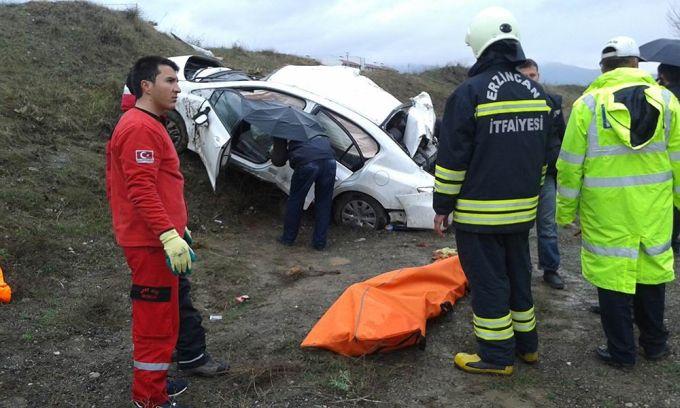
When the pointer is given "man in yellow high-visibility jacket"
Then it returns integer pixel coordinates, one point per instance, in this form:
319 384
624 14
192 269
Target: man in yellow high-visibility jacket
619 169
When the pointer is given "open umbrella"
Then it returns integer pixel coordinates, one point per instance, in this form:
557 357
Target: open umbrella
279 120
663 50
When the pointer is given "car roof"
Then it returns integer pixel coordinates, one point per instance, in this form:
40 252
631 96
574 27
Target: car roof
342 85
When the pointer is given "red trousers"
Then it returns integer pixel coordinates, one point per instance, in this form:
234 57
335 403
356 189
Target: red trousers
155 322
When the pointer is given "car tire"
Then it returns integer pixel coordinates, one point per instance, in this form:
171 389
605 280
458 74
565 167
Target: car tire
177 131
359 210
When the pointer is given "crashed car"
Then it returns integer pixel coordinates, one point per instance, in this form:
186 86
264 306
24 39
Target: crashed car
383 148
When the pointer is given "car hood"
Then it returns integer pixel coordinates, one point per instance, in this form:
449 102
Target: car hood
342 85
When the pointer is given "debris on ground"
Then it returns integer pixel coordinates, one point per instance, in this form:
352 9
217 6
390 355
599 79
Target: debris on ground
444 253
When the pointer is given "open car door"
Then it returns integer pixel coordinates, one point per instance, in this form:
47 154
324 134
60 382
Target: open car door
209 135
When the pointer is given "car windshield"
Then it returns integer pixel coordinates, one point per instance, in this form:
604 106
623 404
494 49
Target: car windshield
223 76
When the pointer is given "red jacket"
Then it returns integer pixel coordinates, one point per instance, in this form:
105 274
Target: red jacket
144 185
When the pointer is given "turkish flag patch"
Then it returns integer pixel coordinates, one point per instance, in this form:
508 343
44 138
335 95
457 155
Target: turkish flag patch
144 156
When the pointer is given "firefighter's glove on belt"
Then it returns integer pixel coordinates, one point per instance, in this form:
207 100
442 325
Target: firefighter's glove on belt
178 254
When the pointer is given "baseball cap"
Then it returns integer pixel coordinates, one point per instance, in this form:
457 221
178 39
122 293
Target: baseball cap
621 47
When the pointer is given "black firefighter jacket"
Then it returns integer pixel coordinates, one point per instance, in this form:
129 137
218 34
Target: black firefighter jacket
492 149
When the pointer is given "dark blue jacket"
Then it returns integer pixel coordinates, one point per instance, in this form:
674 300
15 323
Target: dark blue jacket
299 153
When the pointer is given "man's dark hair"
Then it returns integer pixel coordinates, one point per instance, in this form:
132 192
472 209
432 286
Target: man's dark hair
146 69
529 63
612 63
671 73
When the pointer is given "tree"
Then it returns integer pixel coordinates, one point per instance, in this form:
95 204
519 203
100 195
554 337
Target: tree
674 18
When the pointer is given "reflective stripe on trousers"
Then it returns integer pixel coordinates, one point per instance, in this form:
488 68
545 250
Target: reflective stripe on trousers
493 329
523 321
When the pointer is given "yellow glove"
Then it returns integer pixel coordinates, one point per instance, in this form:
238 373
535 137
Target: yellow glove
178 254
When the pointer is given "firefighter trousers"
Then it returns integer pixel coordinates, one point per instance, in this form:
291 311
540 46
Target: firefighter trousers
155 322
497 269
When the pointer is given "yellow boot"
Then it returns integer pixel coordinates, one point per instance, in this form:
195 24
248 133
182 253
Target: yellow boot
471 363
529 358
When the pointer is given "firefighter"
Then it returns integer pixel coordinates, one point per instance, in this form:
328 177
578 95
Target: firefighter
489 168
619 169
145 189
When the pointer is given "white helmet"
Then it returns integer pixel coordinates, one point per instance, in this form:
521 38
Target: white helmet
490 25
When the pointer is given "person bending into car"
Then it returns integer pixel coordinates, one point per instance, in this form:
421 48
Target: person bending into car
313 162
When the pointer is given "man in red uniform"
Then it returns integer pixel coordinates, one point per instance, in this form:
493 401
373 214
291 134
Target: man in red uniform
145 189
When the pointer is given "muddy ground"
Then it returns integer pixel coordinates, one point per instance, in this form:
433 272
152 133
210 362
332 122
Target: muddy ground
66 342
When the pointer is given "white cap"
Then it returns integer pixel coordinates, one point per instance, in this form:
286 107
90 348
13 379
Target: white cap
621 47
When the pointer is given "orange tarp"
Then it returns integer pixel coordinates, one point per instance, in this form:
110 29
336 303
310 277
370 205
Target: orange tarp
5 290
388 311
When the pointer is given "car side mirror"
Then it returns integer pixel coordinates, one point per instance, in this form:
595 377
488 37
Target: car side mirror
201 119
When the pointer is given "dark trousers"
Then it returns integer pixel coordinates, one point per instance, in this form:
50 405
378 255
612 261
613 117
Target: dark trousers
497 269
191 341
546 227
648 305
321 173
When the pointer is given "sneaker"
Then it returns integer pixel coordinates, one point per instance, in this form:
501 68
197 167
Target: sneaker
553 279
472 363
211 368
319 247
528 358
284 242
603 354
176 387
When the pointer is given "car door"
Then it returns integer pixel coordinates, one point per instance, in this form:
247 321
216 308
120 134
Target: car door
212 120
420 122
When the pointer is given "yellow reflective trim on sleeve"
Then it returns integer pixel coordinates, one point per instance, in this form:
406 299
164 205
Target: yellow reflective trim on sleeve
444 188
498 323
526 315
524 105
544 169
497 205
494 335
451 175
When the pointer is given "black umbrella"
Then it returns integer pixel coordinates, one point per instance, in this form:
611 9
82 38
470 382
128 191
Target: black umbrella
279 120
663 50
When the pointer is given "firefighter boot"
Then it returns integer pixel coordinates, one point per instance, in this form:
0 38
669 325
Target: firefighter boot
471 363
529 358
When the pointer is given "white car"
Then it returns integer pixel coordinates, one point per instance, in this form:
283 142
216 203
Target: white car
382 147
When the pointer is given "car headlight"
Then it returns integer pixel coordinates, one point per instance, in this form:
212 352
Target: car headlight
426 189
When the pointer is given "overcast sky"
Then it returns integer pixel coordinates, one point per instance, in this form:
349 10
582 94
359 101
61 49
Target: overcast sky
398 32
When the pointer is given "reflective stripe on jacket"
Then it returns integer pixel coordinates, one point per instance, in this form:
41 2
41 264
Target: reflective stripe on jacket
619 161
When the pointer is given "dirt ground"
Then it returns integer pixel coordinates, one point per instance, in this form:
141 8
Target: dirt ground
70 346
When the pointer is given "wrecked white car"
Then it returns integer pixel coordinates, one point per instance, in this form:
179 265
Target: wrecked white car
383 147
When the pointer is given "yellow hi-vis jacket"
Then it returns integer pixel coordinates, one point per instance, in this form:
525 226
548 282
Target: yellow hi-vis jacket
620 170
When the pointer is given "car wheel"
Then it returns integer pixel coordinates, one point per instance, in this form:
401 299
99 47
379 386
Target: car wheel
360 210
177 131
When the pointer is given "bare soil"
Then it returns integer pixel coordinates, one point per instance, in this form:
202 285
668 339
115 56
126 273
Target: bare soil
66 342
